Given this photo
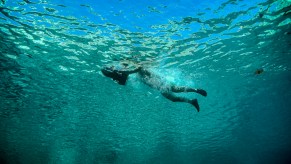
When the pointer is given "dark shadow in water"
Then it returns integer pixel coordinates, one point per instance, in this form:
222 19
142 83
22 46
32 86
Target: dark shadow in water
281 156
3 159
106 155
205 156
103 152
6 159
10 95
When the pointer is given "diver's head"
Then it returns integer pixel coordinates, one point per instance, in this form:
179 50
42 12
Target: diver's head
113 73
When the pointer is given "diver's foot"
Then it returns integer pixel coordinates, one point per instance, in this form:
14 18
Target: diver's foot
202 92
194 102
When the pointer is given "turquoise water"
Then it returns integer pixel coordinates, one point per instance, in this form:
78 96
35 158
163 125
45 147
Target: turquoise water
57 107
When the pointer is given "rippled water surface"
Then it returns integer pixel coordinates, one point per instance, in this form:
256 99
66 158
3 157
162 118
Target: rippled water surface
57 107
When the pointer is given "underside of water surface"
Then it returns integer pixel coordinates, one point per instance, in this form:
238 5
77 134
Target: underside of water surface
57 107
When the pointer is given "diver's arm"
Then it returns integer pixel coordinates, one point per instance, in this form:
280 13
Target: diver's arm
130 71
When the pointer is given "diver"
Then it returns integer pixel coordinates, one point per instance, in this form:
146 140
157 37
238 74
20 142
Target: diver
120 73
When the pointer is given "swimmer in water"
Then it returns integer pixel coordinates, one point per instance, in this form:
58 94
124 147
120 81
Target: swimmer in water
120 73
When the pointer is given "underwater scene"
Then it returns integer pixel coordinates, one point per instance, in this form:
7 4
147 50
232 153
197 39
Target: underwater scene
145 81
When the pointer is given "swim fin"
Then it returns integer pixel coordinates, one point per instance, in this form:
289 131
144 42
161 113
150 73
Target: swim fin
194 102
201 92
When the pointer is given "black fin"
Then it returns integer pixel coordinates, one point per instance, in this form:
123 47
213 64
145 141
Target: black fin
202 92
194 102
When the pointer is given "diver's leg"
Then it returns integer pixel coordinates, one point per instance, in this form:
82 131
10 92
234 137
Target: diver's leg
179 89
174 98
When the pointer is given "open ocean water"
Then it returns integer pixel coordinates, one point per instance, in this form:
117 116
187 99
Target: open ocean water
56 107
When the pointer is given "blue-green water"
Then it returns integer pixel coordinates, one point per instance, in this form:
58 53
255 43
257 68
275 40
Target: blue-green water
56 106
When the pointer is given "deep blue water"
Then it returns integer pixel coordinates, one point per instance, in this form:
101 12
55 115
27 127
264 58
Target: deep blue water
57 107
